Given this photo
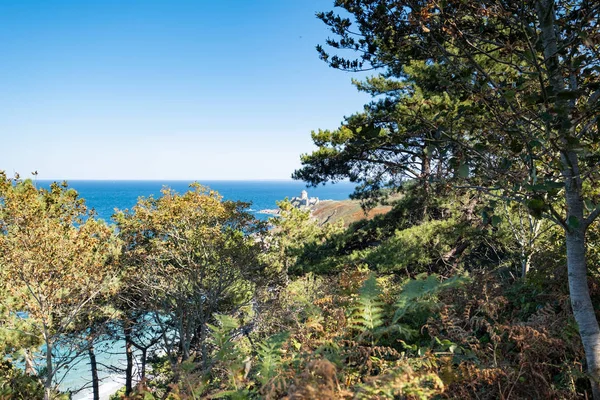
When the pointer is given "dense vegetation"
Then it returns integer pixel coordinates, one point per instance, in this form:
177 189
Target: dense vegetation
479 283
211 305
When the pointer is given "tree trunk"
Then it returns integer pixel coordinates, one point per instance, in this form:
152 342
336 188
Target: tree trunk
94 368
203 348
440 165
29 366
144 355
424 178
525 263
425 169
185 336
583 310
49 370
581 302
129 355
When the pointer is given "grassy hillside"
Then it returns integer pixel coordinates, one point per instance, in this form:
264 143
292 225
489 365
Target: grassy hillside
349 211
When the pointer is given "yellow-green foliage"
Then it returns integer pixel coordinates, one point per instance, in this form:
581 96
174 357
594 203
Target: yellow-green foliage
376 311
297 239
190 257
57 266
15 385
415 248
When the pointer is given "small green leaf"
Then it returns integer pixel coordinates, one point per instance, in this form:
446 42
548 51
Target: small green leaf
536 207
535 143
463 171
546 117
589 204
573 222
509 94
485 216
496 220
554 185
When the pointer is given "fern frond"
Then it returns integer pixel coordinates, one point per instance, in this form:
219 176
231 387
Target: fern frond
403 331
269 357
421 292
221 334
368 313
228 356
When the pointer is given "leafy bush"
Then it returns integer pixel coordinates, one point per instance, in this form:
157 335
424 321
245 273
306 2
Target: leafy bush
416 249
15 384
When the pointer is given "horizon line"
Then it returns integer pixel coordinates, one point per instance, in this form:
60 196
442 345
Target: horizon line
165 179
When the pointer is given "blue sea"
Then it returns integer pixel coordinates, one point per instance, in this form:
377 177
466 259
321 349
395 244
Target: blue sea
106 196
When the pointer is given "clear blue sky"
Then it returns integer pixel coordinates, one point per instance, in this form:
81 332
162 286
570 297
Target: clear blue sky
167 89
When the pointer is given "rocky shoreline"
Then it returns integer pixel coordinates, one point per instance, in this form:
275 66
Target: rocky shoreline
269 211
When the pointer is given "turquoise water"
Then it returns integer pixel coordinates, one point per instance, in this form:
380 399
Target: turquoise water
105 196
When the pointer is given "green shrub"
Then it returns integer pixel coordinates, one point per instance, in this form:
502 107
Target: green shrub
15 384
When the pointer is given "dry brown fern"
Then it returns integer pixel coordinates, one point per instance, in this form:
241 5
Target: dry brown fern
317 381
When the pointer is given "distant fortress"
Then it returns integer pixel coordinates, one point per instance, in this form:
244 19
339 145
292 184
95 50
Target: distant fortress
304 201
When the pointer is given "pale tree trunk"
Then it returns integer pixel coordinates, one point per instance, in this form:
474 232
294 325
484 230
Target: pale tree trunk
581 303
525 263
49 370
583 309
29 366
534 233
526 234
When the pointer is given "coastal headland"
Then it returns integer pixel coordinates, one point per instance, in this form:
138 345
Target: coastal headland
332 211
